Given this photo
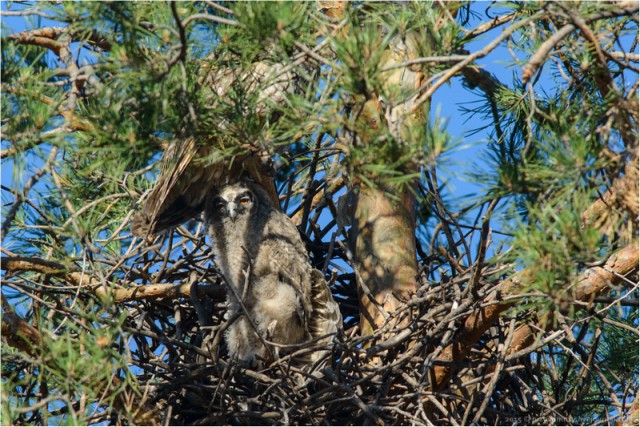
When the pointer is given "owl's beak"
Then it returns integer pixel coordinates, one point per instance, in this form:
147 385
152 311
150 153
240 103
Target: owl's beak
233 212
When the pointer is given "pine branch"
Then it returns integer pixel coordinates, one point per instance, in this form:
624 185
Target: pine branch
130 292
23 336
592 284
17 332
48 38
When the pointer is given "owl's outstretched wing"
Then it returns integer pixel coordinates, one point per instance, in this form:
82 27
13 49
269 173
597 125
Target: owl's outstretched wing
189 172
190 168
181 189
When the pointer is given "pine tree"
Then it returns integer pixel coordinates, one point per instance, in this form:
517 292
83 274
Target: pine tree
517 304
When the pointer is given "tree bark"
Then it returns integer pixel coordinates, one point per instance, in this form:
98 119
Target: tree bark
592 283
383 218
384 230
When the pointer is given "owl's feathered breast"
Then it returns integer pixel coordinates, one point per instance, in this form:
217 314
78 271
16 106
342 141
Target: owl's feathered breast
259 241
265 263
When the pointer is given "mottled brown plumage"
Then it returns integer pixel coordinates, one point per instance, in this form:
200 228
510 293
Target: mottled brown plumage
191 168
189 172
281 299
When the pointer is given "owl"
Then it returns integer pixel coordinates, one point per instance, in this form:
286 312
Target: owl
280 301
190 168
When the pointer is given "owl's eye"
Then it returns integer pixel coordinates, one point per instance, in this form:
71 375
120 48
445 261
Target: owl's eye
245 200
219 205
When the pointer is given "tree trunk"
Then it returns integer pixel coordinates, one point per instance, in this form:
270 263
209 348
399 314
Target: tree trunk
384 242
384 217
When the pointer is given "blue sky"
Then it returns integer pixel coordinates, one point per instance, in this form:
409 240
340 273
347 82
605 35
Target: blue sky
446 100
446 103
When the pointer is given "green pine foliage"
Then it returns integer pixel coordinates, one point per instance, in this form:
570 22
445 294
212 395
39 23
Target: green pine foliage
87 114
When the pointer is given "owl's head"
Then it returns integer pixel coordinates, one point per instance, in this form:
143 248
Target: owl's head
231 201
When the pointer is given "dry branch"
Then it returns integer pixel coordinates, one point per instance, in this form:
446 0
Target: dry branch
47 38
543 52
593 282
17 332
130 292
488 26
